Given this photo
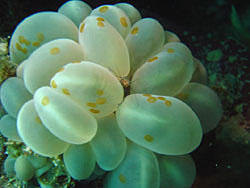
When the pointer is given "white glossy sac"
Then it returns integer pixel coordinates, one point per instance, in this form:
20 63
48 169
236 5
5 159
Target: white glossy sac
79 161
132 13
47 60
39 29
103 45
91 85
162 124
109 143
139 169
75 10
145 38
166 73
14 95
35 135
115 16
63 117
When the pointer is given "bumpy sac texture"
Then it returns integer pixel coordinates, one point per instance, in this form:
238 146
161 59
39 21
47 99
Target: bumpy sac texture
35 135
109 143
47 60
204 102
154 122
92 86
103 45
63 117
166 73
38 29
115 16
139 169
79 161
76 11
14 95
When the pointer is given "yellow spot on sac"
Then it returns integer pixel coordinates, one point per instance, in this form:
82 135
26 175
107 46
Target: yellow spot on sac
82 27
20 48
45 100
161 98
38 120
134 30
168 103
22 40
152 59
103 9
151 99
147 95
61 69
170 50
122 178
54 51
76 61
65 91
101 100
35 43
40 37
91 104
25 50
94 111
182 96
148 138
100 24
100 19
99 92
124 22
53 84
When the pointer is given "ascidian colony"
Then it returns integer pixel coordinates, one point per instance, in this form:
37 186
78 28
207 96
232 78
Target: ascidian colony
105 94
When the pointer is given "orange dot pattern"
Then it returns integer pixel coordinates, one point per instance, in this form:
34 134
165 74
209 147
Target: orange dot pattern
103 9
82 27
152 59
45 101
54 51
122 178
135 30
149 138
123 22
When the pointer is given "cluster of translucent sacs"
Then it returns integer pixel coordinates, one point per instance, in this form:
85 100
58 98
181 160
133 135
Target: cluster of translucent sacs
67 97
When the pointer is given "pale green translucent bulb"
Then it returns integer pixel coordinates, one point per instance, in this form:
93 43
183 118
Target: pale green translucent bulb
39 29
177 171
145 39
109 143
8 128
91 85
166 73
14 95
23 168
9 166
79 161
115 16
20 68
171 37
47 60
162 124
200 73
132 13
75 11
103 45
139 169
64 118
35 135
204 102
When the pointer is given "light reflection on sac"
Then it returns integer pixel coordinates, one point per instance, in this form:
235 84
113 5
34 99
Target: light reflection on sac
102 90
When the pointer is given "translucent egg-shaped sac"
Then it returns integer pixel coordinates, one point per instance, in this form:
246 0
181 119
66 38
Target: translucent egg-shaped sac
20 68
145 38
9 166
166 73
139 168
200 73
75 10
204 102
35 135
115 16
132 13
165 125
103 45
47 60
39 29
171 37
79 161
14 95
91 85
109 143
63 117
177 171
8 128
37 161
23 168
